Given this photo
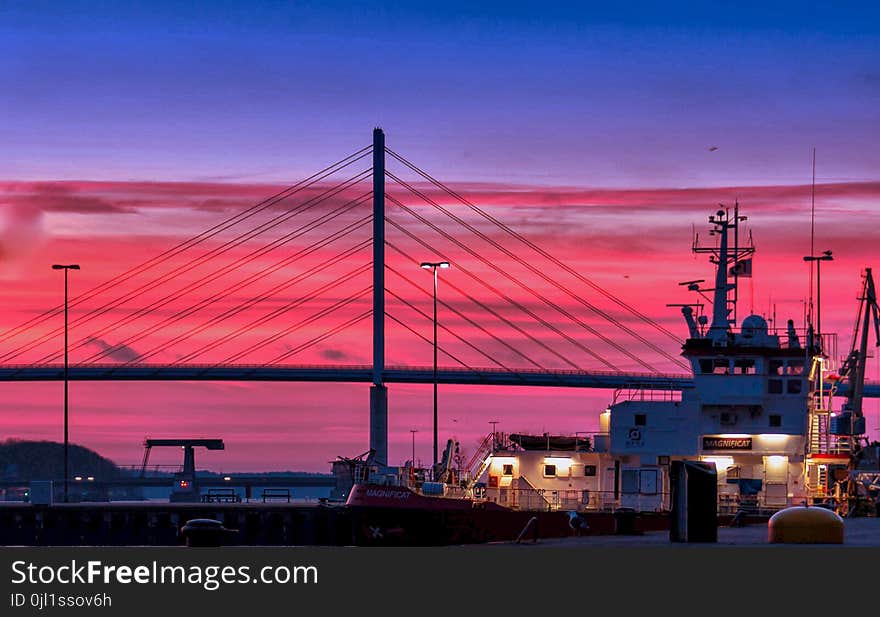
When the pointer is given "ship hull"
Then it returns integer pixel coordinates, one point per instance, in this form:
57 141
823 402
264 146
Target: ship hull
383 516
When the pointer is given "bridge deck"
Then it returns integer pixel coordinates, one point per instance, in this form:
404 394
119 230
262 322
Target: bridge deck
358 374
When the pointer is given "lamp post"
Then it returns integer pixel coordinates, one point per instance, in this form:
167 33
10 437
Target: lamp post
413 431
433 266
66 441
825 256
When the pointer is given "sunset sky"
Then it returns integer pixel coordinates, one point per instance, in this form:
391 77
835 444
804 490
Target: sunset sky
604 137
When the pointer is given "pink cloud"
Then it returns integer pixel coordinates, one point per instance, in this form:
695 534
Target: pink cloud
634 243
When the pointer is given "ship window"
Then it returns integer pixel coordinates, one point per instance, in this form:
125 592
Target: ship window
640 419
629 481
589 470
744 366
795 367
507 470
549 470
774 386
775 367
721 367
775 419
794 386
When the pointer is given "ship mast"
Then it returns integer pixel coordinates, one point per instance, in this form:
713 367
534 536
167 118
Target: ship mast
729 261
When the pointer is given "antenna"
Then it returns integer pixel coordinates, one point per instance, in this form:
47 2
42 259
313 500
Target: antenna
812 232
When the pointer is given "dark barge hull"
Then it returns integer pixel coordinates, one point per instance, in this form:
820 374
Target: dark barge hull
262 524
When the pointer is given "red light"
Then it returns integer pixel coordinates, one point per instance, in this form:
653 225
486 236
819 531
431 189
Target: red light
184 484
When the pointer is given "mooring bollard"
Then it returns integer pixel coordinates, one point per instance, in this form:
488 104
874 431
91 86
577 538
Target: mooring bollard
805 525
203 532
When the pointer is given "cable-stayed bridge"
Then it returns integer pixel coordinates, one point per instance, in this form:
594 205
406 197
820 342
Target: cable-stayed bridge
321 282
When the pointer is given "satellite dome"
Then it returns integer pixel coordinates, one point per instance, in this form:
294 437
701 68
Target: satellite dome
753 326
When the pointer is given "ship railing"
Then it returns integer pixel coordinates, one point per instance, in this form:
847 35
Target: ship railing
646 394
760 504
163 469
576 500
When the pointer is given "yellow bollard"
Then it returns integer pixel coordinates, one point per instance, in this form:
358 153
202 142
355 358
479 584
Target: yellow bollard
805 525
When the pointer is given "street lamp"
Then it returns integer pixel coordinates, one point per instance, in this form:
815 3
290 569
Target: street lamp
66 442
433 266
825 256
413 431
494 434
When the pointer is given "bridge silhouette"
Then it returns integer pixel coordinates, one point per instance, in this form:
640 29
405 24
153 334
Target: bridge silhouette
309 265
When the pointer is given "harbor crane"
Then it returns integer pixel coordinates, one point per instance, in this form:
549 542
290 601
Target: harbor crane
852 419
863 483
185 483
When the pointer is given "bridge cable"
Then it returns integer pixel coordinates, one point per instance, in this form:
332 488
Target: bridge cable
482 305
449 307
499 293
293 328
319 339
448 330
226 292
187 267
550 280
440 348
249 302
559 263
530 290
262 319
190 242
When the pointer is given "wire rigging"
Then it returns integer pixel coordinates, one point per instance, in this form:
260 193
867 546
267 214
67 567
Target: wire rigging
446 329
184 268
429 341
249 303
253 324
549 280
486 307
190 242
257 276
449 307
559 263
527 288
516 281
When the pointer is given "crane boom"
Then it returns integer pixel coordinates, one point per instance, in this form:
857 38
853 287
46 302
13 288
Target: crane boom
853 367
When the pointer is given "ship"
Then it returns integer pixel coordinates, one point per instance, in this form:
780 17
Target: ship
773 411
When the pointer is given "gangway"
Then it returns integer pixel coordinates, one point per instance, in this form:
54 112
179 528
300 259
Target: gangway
185 487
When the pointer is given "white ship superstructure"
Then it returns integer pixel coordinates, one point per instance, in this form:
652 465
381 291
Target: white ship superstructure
760 410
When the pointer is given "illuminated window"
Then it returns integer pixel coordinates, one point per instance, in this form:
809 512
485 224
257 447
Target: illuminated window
775 367
549 470
744 366
795 367
507 470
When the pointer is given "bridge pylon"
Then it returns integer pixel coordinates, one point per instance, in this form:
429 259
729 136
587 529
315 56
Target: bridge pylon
378 391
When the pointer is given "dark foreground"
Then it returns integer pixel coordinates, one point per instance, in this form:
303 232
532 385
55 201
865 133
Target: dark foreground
159 524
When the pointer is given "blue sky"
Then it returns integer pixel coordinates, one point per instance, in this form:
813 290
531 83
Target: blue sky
497 92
